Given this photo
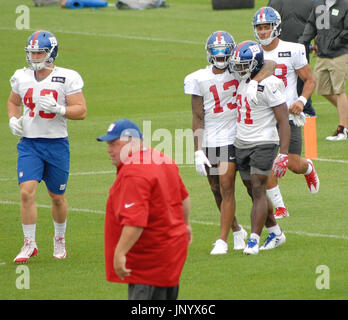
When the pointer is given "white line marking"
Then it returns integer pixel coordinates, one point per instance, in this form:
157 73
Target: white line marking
45 206
330 160
300 233
86 173
113 35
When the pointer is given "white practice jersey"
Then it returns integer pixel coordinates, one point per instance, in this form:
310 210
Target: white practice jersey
219 92
36 123
256 124
289 56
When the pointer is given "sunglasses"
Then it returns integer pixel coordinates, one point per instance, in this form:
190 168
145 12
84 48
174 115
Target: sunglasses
216 51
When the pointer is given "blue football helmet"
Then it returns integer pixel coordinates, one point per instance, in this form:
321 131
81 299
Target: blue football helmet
267 15
247 59
219 47
41 41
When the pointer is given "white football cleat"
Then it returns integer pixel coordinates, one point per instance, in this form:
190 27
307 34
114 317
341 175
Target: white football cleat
28 251
220 247
59 248
341 134
273 241
239 238
252 247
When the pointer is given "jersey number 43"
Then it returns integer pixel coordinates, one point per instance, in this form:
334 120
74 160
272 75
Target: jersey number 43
28 102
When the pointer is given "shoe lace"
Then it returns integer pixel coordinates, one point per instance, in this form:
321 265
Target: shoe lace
26 247
59 243
252 242
311 179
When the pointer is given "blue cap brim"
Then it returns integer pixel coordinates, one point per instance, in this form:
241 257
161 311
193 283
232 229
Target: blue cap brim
107 137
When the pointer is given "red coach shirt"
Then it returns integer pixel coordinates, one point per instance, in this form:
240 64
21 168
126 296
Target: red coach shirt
148 196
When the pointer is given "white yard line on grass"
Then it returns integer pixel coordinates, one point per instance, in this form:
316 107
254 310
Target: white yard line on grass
112 35
300 233
86 173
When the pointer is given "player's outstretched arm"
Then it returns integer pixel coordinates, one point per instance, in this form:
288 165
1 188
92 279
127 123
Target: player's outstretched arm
267 70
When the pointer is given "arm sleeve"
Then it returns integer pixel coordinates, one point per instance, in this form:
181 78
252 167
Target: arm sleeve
134 199
14 83
183 190
343 35
299 57
275 93
74 84
191 85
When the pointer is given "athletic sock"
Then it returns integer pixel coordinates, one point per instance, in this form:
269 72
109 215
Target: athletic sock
59 229
276 197
29 231
309 169
275 229
255 236
239 232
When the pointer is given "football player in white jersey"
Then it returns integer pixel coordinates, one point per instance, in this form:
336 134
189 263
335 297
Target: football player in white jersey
213 99
291 62
49 95
257 141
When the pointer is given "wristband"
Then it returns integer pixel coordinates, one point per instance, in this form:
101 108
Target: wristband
302 99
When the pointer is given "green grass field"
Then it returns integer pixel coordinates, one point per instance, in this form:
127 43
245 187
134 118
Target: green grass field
133 64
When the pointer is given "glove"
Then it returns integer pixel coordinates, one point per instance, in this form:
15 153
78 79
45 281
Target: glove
16 126
299 120
201 160
280 165
49 104
251 91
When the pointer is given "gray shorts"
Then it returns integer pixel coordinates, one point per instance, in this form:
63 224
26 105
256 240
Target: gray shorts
256 160
295 146
220 154
148 292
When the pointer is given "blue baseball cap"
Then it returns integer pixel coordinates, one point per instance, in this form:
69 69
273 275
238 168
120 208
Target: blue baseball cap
121 128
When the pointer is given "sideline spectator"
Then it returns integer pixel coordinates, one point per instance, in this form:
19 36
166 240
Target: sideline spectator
328 22
140 4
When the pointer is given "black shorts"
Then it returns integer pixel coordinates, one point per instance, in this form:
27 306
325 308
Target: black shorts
220 154
148 292
256 160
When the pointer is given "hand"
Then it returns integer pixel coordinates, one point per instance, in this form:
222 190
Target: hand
201 161
189 232
49 104
16 126
120 266
280 165
251 91
299 120
296 107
